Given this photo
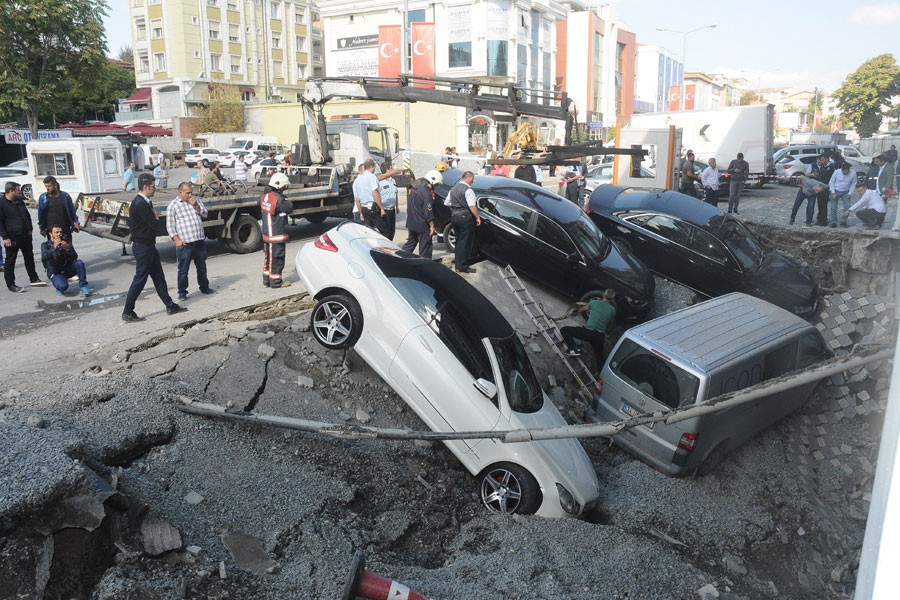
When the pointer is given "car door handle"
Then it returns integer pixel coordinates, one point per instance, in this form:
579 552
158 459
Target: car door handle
425 343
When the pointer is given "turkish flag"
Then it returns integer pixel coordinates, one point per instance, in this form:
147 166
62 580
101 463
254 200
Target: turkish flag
423 51
674 97
689 92
389 51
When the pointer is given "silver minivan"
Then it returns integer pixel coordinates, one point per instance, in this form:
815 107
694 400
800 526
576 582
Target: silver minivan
700 352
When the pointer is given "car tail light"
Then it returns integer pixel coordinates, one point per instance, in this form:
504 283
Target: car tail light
688 441
599 384
323 242
787 166
587 207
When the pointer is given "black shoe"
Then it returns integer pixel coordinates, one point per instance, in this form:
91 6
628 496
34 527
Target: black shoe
38 283
466 270
131 317
791 222
208 291
15 289
833 225
174 309
182 297
844 225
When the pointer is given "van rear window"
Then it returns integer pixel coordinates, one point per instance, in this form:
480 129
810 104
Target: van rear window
654 376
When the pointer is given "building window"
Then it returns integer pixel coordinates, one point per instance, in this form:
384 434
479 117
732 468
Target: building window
315 17
155 1
276 39
213 30
317 72
497 58
301 71
300 40
59 165
215 62
235 64
234 32
156 29
521 63
143 62
547 83
159 61
140 27
275 11
232 6
460 54
299 17
195 20
212 2
277 69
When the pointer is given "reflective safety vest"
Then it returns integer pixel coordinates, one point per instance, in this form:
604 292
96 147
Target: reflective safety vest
275 211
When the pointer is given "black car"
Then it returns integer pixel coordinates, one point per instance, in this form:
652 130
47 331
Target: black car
549 239
697 245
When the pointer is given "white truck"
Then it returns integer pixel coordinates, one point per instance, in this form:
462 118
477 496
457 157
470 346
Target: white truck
721 133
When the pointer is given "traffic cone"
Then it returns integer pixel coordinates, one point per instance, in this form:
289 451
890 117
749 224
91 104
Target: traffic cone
372 586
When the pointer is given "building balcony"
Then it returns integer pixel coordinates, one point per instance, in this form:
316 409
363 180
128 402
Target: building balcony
134 115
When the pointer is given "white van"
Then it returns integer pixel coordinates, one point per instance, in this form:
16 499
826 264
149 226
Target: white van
250 142
700 352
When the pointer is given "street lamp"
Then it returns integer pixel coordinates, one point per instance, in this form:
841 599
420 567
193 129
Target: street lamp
684 35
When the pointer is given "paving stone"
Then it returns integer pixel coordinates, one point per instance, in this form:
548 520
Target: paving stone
843 402
861 410
846 449
863 395
834 344
822 419
841 319
869 311
821 430
845 340
846 295
849 412
853 304
870 405
818 455
860 314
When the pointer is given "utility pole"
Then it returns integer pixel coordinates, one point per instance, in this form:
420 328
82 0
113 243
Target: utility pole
684 35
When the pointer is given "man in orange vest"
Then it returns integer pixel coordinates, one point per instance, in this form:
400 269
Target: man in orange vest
276 211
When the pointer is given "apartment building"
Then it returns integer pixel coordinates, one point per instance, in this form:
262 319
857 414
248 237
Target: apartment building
264 48
501 41
596 66
658 70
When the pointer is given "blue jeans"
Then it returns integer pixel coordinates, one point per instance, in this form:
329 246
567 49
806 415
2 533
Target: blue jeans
832 206
810 206
192 252
61 280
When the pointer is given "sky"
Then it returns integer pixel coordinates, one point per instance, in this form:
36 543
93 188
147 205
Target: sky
770 43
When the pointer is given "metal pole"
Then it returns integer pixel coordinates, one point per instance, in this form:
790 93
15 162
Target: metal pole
404 70
683 67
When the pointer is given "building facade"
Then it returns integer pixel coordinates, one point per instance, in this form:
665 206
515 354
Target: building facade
657 71
264 48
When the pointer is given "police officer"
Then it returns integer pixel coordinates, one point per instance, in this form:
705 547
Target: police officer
464 216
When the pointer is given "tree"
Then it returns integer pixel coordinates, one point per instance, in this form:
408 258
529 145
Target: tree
816 102
866 90
749 97
125 54
100 94
224 111
43 44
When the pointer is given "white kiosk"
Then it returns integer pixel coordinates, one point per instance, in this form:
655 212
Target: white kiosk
89 165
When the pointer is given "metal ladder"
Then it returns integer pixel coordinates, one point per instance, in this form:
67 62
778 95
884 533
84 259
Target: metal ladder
582 375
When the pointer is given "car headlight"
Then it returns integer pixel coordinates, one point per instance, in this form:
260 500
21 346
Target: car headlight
567 501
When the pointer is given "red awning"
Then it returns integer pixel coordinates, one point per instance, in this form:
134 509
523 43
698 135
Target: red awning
149 130
69 125
246 89
141 96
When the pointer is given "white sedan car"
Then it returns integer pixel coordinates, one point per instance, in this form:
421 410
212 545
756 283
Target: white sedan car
453 358
20 176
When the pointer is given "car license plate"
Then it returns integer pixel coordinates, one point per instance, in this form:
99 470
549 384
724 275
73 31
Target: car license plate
633 412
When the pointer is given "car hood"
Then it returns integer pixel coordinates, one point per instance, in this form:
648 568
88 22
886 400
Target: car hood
785 282
564 457
620 263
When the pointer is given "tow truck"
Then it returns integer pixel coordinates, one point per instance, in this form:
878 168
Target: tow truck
321 178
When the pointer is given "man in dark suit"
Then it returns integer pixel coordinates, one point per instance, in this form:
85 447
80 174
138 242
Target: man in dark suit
825 169
145 226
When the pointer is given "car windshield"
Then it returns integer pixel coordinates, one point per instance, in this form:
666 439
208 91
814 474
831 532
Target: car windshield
741 243
522 388
594 246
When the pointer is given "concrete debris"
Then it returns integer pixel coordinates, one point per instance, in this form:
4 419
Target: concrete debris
362 416
734 564
534 347
666 538
266 350
12 393
222 573
36 421
305 382
194 498
195 550
248 552
708 591
159 536
261 336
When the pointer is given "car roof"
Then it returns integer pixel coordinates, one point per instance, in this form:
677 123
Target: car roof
553 205
484 317
713 333
670 202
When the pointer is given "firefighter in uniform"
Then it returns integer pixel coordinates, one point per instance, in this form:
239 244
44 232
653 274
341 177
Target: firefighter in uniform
275 210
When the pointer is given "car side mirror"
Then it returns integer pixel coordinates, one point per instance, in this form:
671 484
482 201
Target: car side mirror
487 388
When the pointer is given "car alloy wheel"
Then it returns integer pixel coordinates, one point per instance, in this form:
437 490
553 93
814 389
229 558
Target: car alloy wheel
507 488
336 321
450 237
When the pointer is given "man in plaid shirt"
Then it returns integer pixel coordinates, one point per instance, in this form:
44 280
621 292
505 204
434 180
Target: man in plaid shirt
184 222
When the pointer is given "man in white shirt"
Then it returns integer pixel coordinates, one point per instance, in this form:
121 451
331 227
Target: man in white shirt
870 208
366 190
842 182
709 178
240 169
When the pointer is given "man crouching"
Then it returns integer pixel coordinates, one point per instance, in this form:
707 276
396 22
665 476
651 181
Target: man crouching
62 262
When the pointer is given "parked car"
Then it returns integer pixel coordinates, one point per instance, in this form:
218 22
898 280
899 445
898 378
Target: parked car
789 169
453 358
20 176
549 239
697 245
258 167
230 157
854 153
602 174
196 155
803 150
696 354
